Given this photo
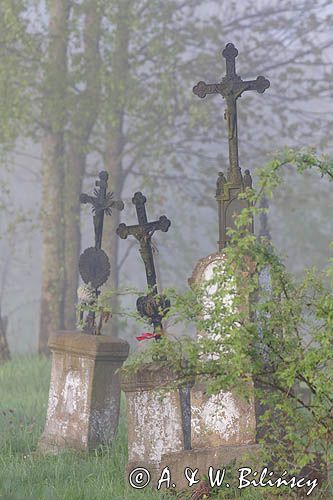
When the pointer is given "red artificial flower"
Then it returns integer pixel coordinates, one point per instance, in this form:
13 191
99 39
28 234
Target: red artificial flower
146 336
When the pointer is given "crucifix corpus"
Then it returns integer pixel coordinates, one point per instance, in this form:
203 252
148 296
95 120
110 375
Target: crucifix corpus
152 305
231 88
94 265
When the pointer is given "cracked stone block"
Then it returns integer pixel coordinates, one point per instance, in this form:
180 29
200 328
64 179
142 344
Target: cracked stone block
84 397
154 419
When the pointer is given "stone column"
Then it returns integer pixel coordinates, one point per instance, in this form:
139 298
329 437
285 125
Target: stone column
154 417
84 397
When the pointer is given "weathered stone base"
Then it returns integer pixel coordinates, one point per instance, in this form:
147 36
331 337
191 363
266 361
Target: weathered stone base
84 397
223 427
223 419
203 458
154 418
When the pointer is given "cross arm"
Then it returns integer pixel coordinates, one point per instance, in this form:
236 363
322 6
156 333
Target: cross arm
260 84
145 230
202 89
100 204
86 198
162 224
123 231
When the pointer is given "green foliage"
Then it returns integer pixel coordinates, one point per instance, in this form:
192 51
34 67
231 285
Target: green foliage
267 327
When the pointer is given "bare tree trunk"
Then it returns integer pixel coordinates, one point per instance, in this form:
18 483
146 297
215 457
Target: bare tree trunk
84 118
115 145
4 349
51 312
111 239
73 188
52 214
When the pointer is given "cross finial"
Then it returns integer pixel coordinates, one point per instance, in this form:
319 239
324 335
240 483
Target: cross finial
94 265
231 88
102 202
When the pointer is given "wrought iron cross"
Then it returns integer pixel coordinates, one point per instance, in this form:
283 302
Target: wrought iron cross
101 202
148 305
231 88
152 305
94 265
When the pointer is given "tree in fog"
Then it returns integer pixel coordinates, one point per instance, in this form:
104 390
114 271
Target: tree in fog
111 81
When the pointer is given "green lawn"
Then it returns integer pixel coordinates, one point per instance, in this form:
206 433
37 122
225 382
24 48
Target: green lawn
24 474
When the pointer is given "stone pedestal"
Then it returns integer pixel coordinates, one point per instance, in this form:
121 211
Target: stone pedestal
84 397
223 426
221 419
224 418
154 417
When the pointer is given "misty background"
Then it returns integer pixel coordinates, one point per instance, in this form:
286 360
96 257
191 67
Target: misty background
112 81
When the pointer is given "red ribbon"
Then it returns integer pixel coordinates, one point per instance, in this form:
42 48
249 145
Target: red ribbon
146 336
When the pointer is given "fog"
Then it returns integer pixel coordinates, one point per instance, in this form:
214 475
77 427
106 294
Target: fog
172 144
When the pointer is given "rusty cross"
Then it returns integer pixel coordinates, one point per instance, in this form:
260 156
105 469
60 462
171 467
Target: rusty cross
231 88
102 202
143 232
94 265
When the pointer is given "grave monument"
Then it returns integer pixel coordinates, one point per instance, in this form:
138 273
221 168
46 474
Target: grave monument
223 426
155 422
84 396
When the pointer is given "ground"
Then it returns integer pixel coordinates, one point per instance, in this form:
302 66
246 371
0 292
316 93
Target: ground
26 475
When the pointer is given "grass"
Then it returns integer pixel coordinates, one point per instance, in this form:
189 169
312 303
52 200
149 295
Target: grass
25 474
28 475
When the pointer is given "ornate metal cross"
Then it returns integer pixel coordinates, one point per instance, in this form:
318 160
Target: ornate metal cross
155 306
101 202
94 265
231 88
148 305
